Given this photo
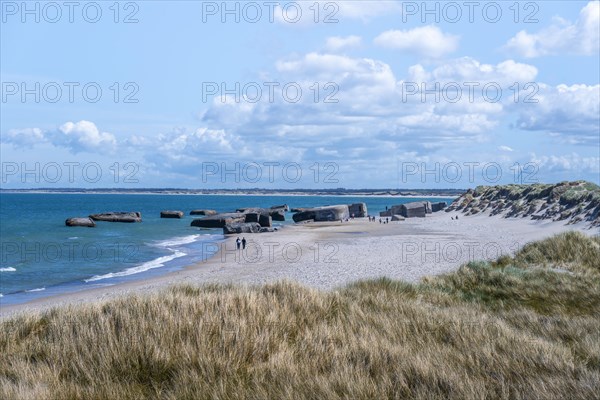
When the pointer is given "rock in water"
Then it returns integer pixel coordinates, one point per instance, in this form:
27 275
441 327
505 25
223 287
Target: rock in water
118 217
218 220
327 213
88 222
203 212
171 214
239 227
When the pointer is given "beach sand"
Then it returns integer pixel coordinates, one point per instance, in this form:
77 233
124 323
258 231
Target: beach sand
333 254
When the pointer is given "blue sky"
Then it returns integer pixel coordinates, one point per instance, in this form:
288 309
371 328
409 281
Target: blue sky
404 87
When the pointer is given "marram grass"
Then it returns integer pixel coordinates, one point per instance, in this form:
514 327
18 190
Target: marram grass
518 328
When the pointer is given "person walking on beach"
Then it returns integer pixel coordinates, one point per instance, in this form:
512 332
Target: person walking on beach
243 243
238 242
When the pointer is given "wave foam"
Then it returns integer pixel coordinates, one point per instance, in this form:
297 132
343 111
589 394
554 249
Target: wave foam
36 290
178 241
7 269
156 263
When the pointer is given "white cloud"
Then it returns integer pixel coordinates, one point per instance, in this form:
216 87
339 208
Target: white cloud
27 137
569 112
467 69
562 37
573 163
473 84
366 129
465 123
370 111
338 43
427 41
82 136
330 65
183 151
325 152
357 82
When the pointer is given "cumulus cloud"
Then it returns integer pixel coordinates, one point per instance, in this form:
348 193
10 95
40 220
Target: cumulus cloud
573 163
467 69
465 85
427 41
82 136
373 111
184 151
27 137
569 112
370 110
562 37
339 43
367 127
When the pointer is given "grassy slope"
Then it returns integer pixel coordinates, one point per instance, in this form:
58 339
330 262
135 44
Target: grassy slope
519 328
572 202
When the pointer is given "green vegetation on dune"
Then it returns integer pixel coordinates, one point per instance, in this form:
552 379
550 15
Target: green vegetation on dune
571 202
522 327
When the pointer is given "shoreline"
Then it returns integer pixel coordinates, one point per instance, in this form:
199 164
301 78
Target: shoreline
39 287
328 255
242 193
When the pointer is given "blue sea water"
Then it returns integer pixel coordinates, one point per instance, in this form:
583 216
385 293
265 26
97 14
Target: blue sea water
40 256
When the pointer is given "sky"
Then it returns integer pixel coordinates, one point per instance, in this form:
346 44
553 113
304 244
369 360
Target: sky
308 94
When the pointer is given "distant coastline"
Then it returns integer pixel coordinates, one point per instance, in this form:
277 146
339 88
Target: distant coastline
254 192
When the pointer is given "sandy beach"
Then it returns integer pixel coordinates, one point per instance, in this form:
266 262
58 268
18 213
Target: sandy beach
330 255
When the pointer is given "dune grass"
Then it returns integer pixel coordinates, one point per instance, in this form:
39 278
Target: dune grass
522 327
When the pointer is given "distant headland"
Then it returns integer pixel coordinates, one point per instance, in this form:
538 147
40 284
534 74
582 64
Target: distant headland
251 191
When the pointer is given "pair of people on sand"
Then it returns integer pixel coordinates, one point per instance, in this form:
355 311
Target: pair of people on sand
239 242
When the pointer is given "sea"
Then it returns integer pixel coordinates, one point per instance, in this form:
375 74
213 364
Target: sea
40 256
